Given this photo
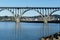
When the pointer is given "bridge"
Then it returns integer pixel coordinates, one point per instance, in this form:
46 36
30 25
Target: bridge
45 12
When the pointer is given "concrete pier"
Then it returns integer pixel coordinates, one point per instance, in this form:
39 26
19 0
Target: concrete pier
17 21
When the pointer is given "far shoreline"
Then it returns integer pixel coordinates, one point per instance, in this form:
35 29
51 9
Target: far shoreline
35 21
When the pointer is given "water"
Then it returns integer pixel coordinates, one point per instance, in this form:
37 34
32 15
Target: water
27 31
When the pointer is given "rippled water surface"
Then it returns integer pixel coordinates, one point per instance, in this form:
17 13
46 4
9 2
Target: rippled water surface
27 31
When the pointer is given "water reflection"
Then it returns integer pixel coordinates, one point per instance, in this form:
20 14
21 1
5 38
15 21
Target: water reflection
26 31
17 31
45 29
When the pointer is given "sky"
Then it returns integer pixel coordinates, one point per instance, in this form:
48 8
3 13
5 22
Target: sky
27 3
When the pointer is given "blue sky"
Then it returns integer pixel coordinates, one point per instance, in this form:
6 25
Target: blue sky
40 3
28 3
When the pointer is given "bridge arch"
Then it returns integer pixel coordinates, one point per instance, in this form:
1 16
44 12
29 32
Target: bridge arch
3 11
33 10
54 12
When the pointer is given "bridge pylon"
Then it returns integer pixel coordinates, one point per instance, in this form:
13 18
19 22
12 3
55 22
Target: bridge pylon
45 20
17 19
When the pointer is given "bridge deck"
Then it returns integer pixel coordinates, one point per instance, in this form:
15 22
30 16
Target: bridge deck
33 7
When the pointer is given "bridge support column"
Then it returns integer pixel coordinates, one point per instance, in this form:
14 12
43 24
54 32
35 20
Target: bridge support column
45 20
18 19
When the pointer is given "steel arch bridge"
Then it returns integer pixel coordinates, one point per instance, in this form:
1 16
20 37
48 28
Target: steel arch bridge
43 11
